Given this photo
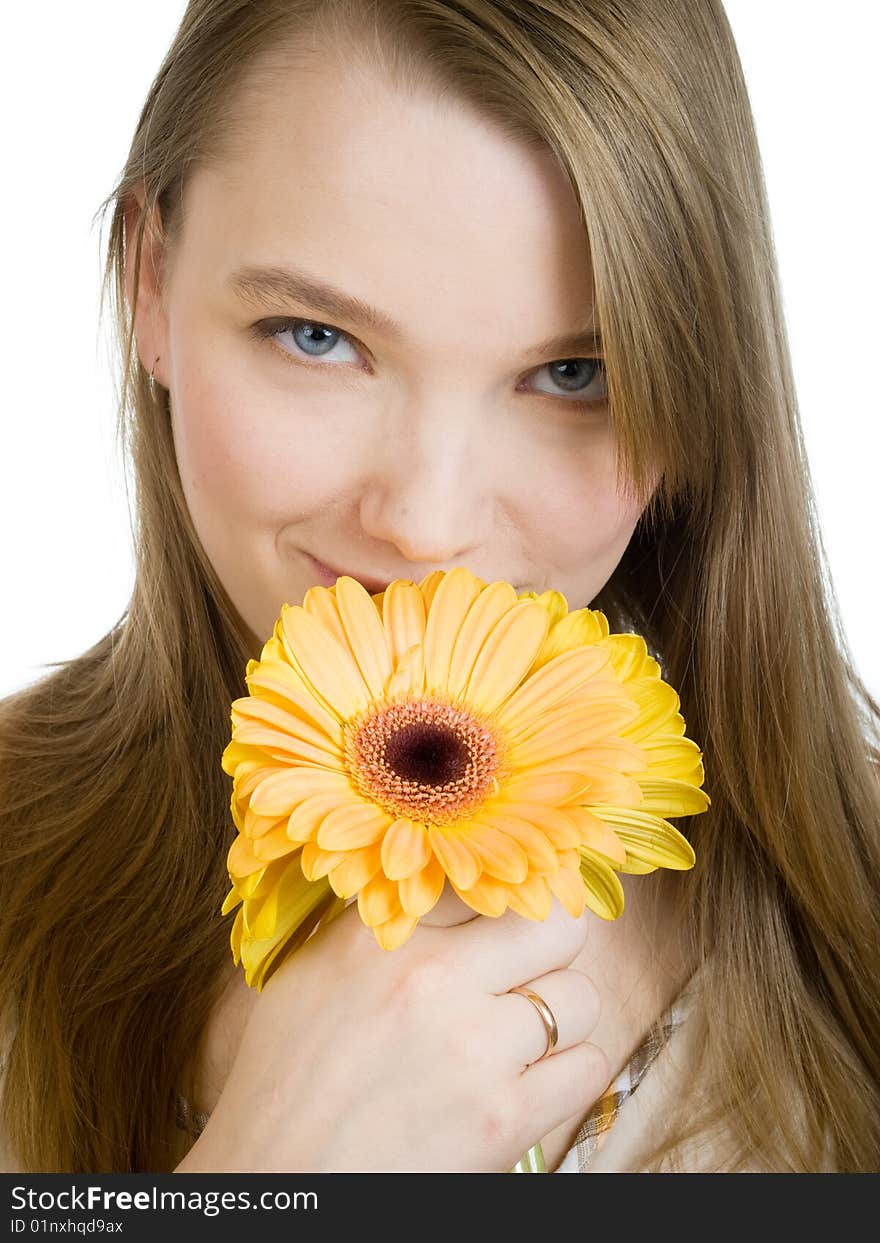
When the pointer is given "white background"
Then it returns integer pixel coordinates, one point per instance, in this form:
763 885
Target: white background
75 77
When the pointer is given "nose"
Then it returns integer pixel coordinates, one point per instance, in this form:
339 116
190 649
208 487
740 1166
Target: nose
429 488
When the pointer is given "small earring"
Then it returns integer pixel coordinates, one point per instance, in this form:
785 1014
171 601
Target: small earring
152 380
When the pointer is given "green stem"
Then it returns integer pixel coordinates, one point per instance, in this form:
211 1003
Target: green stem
532 1163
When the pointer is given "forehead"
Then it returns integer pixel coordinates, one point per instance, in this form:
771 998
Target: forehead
390 193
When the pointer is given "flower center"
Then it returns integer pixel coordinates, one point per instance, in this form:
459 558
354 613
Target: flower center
424 759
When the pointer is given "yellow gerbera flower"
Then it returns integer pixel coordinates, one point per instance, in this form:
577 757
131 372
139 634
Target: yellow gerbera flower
447 731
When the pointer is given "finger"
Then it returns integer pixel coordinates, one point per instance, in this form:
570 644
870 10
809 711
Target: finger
572 999
448 910
505 950
563 1086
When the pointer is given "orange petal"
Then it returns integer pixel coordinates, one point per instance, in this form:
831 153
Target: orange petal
378 901
532 899
500 854
405 849
353 825
305 820
457 859
355 870
487 896
420 893
567 885
317 863
280 792
275 844
554 822
241 860
283 686
549 787
393 932
277 717
541 855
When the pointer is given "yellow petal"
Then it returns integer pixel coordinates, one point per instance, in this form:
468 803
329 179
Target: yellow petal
483 616
532 899
452 599
405 849
356 869
568 886
649 838
230 902
507 654
378 901
365 633
325 663
657 703
457 859
580 628
352 825
500 854
676 758
672 798
404 617
604 892
548 686
392 933
321 603
420 893
630 657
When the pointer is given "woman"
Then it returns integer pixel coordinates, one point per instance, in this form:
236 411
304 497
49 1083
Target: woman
573 375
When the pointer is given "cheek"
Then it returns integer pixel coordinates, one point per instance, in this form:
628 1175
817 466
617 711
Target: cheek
246 459
585 526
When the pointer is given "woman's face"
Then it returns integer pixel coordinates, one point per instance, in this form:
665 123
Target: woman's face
351 333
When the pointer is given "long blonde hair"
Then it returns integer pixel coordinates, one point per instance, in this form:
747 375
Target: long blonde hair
115 821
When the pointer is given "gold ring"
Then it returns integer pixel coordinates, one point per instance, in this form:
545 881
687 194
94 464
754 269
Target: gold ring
547 1018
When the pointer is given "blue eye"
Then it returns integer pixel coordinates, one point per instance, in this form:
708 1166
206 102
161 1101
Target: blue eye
311 339
575 375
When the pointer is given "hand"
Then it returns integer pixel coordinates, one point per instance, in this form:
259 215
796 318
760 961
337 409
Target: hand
355 1058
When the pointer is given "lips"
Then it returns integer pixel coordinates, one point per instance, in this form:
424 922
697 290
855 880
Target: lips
327 576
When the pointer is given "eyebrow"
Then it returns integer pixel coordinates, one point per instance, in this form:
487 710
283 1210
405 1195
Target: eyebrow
257 285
